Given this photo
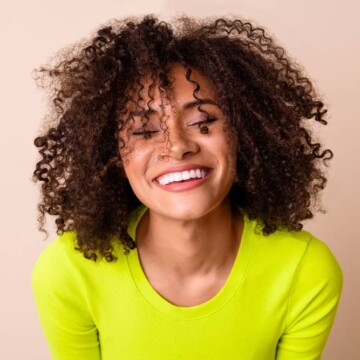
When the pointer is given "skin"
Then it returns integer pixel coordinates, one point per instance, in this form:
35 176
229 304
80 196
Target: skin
188 240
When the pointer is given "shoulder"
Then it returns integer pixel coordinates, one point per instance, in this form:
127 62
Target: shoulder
316 287
314 273
298 257
57 262
319 268
300 248
59 283
314 257
60 262
318 255
59 254
64 281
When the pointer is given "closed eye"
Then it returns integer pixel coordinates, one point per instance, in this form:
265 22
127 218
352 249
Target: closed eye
147 134
138 133
208 120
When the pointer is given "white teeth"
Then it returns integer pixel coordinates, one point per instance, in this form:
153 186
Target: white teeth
180 176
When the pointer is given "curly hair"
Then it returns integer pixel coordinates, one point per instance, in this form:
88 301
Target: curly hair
266 98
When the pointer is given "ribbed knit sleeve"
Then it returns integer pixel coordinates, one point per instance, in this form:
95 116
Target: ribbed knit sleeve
62 308
312 304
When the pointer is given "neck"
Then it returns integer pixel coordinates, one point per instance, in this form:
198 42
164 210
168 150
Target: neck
184 249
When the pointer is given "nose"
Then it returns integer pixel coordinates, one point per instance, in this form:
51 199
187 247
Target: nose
180 144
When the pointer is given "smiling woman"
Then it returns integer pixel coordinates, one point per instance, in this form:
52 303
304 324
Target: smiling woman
179 168
163 152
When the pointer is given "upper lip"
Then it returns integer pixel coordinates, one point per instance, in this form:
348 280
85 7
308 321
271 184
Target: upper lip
179 168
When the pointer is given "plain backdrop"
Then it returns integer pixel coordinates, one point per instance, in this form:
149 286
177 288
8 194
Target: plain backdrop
322 36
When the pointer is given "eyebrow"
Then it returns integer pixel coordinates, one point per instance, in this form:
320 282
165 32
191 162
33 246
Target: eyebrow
186 106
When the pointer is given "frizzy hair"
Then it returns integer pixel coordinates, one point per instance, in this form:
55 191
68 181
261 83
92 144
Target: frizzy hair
265 97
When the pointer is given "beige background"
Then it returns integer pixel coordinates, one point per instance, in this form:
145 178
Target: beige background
322 35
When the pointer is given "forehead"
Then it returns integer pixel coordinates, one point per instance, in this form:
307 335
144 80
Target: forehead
180 90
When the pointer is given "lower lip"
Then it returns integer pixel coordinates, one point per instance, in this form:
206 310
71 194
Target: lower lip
184 185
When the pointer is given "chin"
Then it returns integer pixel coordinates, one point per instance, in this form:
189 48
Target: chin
185 212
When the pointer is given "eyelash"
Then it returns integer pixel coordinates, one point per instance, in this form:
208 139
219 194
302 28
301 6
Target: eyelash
148 134
206 121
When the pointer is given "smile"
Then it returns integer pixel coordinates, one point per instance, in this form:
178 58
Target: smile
183 180
182 176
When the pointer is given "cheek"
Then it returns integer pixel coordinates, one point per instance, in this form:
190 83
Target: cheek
225 148
137 164
229 155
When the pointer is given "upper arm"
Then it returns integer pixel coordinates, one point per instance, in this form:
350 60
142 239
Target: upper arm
312 304
66 322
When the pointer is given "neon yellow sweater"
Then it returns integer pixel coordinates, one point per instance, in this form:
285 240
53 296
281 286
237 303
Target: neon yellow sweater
279 302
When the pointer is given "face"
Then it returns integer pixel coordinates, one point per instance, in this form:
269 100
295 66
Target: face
177 169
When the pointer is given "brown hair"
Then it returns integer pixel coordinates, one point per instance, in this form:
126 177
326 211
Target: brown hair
266 98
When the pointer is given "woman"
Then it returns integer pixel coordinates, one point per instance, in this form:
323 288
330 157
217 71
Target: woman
179 167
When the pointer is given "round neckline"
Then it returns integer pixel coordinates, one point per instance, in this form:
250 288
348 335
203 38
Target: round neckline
224 295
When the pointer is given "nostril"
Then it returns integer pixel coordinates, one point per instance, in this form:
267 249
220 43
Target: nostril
187 152
184 146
